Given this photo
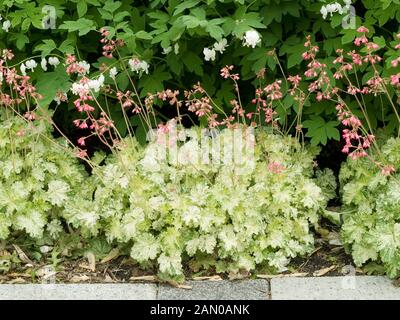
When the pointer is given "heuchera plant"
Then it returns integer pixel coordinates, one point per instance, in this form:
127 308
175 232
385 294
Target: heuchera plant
371 208
38 176
228 216
369 179
231 217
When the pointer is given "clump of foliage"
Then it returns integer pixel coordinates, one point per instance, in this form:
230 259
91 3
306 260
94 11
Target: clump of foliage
38 176
371 207
179 210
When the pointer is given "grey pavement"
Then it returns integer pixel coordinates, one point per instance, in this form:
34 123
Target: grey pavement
334 288
218 290
95 291
282 288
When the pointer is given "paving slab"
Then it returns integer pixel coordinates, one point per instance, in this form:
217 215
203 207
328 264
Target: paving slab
78 291
217 290
334 288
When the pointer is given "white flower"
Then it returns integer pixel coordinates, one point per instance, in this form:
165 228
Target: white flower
96 84
324 12
53 61
145 67
209 54
31 64
6 25
113 72
80 89
334 7
43 64
167 50
137 65
251 38
221 45
23 69
85 66
176 48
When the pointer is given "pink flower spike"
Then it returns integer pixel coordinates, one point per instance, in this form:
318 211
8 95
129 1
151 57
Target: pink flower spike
30 116
395 79
81 141
388 170
362 29
81 154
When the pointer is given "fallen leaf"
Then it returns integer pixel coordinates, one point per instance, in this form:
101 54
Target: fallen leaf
17 281
359 270
91 260
77 278
210 278
184 286
180 286
18 275
321 272
84 266
108 279
24 258
114 253
143 278
46 272
4 253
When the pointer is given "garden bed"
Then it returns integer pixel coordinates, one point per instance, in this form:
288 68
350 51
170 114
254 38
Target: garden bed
177 140
326 260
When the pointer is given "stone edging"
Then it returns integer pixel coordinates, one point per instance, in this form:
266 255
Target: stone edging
280 288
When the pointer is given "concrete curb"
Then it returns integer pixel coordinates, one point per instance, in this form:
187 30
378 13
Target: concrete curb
334 288
137 291
282 288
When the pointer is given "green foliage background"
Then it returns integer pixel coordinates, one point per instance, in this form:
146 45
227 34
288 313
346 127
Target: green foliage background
150 27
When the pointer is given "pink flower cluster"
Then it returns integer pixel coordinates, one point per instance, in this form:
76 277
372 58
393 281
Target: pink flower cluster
226 73
315 69
126 101
273 92
20 87
109 46
370 46
82 89
73 66
355 143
